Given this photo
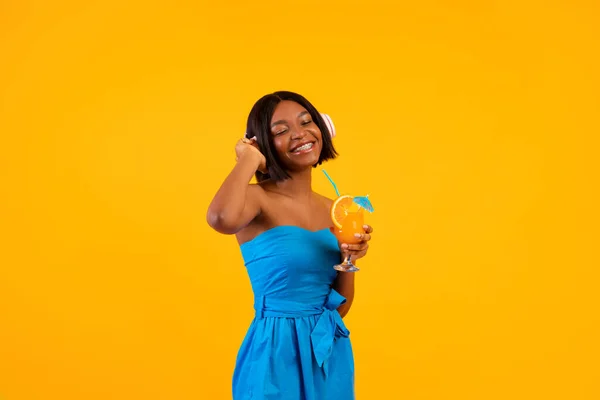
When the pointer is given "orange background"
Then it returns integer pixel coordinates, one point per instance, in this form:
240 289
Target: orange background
473 127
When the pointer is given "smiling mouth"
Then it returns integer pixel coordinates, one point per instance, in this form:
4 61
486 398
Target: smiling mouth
304 148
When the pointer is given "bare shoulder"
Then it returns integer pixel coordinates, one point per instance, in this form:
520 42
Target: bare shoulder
256 187
256 191
326 200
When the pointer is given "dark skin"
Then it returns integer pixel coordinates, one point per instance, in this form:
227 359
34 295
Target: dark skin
248 210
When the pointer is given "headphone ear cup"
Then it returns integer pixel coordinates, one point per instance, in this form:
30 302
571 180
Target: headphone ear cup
329 124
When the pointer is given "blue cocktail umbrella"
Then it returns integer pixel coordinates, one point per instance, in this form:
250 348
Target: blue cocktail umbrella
364 202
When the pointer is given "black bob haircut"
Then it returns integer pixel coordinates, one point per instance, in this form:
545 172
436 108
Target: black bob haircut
259 125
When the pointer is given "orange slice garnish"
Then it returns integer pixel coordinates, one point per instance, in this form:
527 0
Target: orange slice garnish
340 208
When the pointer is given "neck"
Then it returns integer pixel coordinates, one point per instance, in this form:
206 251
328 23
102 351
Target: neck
298 186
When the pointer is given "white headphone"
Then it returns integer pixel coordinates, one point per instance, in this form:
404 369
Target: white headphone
328 123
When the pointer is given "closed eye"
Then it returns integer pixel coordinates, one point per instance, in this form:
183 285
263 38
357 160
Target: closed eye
306 122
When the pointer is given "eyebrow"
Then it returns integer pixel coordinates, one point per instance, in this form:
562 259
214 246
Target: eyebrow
281 121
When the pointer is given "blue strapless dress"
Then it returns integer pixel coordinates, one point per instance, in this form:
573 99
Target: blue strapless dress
297 347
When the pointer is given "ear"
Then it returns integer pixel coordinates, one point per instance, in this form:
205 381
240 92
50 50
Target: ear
325 117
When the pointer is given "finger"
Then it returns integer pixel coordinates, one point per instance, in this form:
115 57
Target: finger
355 247
363 236
355 254
358 254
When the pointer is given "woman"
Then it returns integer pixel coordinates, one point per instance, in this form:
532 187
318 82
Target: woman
297 346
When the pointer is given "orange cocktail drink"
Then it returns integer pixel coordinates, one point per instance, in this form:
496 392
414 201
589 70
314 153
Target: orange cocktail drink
348 220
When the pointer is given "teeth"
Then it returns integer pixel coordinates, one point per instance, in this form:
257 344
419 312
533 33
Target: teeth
305 147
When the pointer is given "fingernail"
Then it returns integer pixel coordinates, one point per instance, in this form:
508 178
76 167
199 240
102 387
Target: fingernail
365 226
344 246
357 235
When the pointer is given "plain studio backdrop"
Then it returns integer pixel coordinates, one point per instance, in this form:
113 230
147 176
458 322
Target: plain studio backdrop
473 126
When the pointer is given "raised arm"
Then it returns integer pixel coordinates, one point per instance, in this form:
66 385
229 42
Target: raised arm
237 203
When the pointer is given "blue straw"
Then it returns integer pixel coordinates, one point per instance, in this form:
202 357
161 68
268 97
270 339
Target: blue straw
332 182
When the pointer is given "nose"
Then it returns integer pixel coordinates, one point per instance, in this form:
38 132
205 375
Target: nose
298 132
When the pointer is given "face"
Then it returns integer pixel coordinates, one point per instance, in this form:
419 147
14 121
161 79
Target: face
296 136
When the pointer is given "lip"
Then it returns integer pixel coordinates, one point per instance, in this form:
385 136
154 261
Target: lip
302 144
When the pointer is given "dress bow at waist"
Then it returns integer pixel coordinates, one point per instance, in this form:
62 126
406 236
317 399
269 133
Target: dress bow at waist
329 327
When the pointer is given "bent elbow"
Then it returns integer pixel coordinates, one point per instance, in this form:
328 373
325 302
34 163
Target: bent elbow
220 223
212 219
